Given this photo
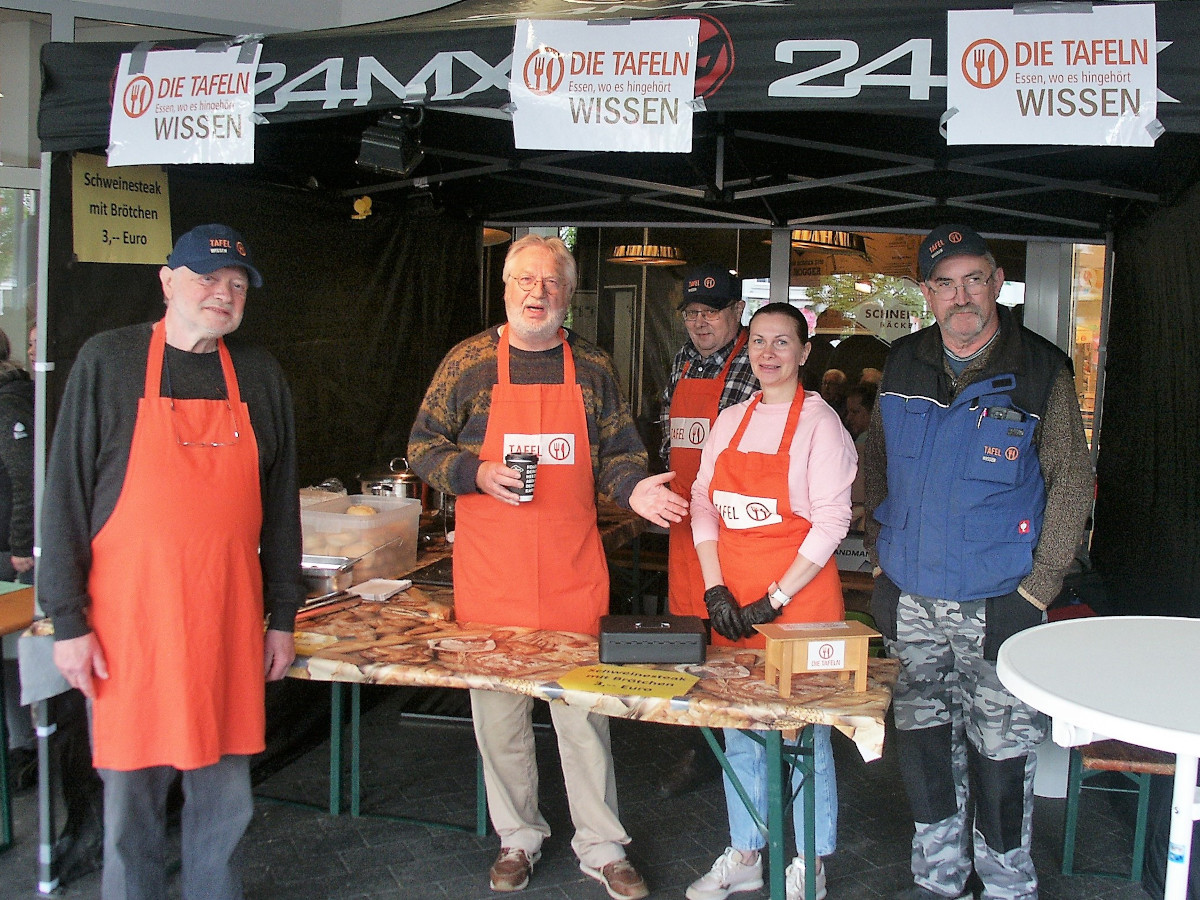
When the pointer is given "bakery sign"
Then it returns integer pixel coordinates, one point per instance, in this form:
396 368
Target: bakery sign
1083 75
184 106
612 85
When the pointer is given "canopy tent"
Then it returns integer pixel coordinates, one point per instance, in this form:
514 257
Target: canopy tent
785 141
793 135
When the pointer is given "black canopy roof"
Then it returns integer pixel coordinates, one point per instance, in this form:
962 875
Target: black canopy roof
761 155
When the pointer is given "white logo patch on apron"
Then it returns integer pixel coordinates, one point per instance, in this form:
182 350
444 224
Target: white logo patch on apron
739 511
552 449
689 433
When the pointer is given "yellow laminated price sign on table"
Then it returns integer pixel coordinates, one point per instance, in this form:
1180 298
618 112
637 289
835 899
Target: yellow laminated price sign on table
624 681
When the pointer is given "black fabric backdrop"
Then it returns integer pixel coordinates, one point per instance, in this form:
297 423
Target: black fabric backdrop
1147 537
358 313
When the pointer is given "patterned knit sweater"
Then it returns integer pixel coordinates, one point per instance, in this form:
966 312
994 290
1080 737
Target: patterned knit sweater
448 432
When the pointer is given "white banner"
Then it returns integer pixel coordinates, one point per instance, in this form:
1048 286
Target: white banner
184 106
1053 78
604 86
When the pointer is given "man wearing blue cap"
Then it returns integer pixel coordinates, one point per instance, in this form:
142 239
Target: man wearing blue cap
710 372
978 484
170 529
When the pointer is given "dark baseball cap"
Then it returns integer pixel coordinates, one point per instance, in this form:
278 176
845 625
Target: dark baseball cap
710 284
946 241
207 248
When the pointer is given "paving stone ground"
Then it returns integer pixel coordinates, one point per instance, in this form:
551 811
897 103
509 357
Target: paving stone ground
425 767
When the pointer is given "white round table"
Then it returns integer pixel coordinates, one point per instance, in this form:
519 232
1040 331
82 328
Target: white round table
1133 678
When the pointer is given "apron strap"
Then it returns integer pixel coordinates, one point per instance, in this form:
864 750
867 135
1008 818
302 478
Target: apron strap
789 430
502 356
737 347
154 365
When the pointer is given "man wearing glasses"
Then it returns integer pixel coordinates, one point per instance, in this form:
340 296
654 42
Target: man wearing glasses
170 527
978 485
531 386
710 372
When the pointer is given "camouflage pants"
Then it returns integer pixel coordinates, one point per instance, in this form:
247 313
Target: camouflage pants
966 753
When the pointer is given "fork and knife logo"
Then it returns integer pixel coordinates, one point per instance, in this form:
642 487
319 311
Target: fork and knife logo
543 71
985 63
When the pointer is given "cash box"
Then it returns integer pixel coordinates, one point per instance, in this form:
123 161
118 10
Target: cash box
651 639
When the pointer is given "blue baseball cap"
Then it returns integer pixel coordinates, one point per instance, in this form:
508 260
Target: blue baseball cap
712 285
207 248
946 241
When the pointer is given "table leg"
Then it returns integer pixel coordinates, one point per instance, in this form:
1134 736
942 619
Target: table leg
775 810
779 801
335 748
355 748
809 798
1184 808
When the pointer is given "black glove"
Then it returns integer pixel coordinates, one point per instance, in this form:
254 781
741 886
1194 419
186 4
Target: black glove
885 596
723 612
760 612
1004 617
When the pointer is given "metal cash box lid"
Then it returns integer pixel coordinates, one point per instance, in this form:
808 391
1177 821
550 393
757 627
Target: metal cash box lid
652 639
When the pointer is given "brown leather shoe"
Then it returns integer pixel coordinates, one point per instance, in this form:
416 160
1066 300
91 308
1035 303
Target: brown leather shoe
512 868
691 769
619 878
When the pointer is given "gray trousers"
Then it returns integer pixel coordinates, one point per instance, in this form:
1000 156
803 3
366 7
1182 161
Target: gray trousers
217 806
966 753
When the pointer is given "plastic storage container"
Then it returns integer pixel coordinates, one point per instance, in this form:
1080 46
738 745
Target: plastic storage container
386 541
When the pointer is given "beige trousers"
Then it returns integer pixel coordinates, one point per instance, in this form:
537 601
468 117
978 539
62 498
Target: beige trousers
504 732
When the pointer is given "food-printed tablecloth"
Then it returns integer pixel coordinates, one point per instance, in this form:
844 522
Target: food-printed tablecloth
384 643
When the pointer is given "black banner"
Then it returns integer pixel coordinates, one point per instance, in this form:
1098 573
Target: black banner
754 55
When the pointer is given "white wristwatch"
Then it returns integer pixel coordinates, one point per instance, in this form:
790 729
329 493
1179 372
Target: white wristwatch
779 599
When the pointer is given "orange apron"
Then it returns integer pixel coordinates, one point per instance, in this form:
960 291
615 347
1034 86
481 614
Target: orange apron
176 586
694 407
539 564
752 488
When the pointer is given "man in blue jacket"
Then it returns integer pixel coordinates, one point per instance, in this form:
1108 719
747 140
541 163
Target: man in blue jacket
978 485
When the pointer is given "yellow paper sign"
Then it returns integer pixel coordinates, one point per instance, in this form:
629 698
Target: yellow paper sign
628 681
120 215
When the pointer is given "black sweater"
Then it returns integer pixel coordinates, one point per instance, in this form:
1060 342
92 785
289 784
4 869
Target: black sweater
90 453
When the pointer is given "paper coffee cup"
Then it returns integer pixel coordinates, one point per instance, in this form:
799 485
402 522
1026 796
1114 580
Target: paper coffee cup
526 464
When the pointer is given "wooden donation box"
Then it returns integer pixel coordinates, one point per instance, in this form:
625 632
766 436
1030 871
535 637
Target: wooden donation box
798 647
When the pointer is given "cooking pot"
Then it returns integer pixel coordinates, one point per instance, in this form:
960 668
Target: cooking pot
394 480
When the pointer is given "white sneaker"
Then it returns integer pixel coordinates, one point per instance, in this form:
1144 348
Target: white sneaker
728 875
793 880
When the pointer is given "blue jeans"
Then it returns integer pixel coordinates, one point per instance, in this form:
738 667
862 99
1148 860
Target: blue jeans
748 759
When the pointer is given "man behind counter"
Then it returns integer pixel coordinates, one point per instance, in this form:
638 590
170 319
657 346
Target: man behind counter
538 564
170 514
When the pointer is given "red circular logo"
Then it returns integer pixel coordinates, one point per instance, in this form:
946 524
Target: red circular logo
758 512
696 436
714 54
138 97
1011 453
544 70
826 651
559 448
241 248
984 63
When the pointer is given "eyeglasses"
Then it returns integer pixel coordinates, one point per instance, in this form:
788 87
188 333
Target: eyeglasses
232 424
550 284
708 315
973 286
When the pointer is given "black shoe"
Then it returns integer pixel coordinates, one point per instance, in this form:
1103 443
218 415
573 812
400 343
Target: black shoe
690 771
79 853
22 770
